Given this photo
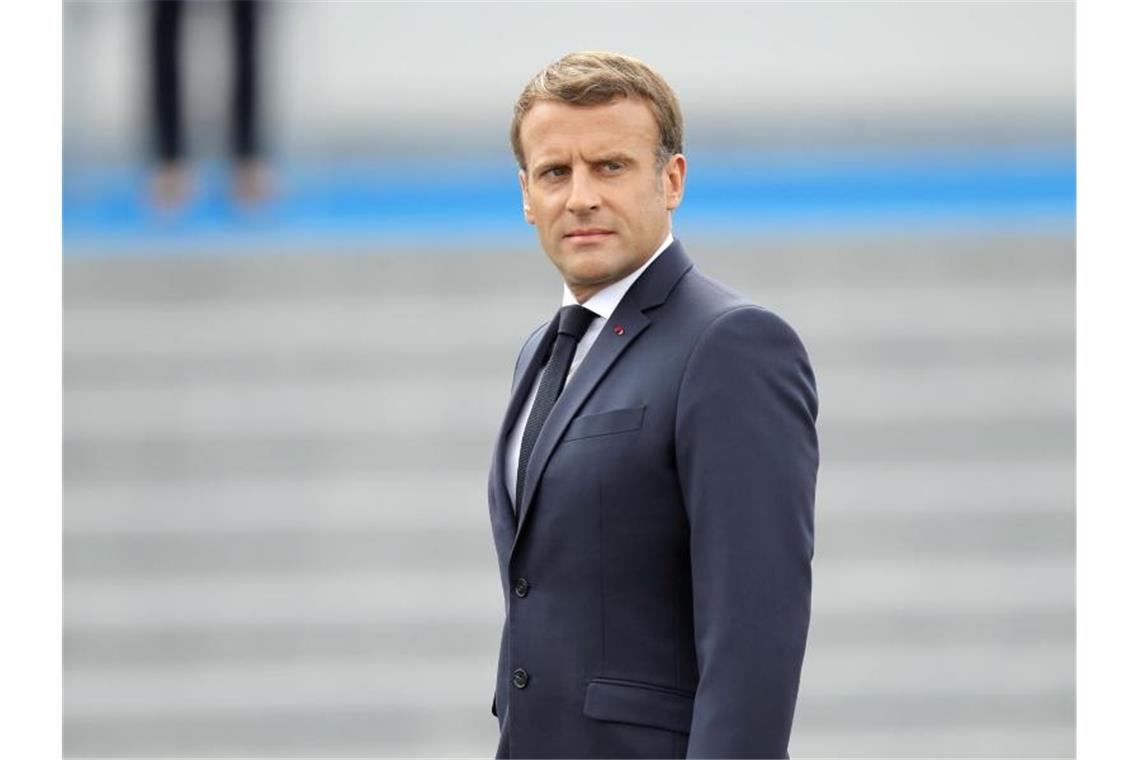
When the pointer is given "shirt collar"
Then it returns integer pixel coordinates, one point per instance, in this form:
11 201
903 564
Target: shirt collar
605 301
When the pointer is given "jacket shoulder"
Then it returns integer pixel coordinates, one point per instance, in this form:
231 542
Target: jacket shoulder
714 309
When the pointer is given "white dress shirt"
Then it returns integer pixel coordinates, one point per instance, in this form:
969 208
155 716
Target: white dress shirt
603 303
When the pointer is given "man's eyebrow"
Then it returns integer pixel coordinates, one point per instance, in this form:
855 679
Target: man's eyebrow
541 166
616 155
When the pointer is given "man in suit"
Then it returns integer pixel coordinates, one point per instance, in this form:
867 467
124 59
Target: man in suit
652 485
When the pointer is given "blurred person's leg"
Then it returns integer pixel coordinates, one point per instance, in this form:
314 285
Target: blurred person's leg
251 182
171 183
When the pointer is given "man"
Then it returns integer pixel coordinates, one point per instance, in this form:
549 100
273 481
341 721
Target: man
652 512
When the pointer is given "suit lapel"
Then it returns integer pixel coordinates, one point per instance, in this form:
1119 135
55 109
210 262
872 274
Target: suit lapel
650 290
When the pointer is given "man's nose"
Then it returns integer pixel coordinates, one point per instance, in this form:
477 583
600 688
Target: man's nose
583 196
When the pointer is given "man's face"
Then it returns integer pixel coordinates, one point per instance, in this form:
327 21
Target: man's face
592 189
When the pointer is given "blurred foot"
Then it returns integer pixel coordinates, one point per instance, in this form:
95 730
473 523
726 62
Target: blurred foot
251 183
170 187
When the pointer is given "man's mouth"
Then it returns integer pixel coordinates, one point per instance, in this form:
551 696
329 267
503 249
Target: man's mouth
588 234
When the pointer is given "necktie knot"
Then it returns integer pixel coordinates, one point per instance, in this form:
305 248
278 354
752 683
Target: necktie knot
573 320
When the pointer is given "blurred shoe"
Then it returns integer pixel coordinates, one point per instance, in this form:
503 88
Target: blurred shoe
170 187
252 184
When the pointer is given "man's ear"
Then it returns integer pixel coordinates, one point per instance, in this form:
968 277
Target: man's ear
525 197
674 181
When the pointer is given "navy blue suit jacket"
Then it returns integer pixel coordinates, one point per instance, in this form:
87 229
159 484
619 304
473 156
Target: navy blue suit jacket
657 576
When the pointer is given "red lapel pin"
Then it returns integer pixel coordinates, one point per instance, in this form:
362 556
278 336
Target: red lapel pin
619 329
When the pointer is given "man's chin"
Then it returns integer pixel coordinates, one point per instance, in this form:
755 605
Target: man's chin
588 279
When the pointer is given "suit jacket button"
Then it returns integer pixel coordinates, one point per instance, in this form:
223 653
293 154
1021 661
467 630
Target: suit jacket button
522 587
519 678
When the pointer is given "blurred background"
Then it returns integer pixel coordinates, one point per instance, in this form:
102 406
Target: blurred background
296 278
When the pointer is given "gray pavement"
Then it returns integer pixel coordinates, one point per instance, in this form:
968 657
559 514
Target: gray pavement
276 537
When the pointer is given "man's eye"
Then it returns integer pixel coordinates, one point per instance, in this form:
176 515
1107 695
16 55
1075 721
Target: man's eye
613 166
555 171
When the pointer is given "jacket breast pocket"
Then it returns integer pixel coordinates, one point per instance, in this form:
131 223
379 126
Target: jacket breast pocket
645 704
605 423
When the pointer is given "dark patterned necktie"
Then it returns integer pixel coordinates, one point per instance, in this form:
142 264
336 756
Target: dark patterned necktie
572 323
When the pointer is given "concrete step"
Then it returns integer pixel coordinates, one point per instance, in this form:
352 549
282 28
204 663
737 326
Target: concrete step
969 490
400 732
275 327
1030 727
864 585
470 404
186 645
896 672
1054 735
173 457
436 597
850 536
409 362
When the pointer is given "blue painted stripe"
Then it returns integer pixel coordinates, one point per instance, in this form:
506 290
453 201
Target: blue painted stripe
475 202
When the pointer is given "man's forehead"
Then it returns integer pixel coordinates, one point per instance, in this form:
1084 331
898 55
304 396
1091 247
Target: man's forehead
552 125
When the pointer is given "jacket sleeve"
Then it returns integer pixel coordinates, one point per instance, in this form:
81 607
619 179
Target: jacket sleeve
747 457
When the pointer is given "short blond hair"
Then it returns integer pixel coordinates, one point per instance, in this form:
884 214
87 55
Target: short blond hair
590 78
